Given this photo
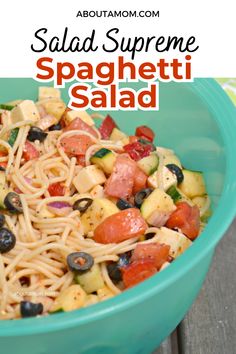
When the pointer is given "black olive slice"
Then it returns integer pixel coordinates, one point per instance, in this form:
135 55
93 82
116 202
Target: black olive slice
13 203
30 309
176 171
141 195
122 204
2 169
82 204
36 133
7 240
80 262
114 268
55 127
2 220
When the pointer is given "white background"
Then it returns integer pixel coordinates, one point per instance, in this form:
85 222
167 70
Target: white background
212 22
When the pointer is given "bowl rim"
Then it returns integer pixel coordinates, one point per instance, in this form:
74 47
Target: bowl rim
220 104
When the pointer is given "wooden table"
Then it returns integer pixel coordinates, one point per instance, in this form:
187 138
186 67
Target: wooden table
210 325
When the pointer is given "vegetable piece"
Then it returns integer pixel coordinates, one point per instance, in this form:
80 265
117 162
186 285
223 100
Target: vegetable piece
174 194
168 156
138 271
13 203
82 204
70 299
81 160
100 209
159 253
105 159
122 204
48 92
30 309
141 195
7 240
79 124
79 262
118 135
3 164
120 226
186 218
26 110
87 178
137 150
36 133
149 164
114 268
13 135
59 208
6 107
157 202
46 122
76 144
114 272
145 132
121 181
177 241
56 189
104 293
55 127
2 220
140 180
30 152
53 106
177 171
70 115
108 124
193 184
147 142
92 280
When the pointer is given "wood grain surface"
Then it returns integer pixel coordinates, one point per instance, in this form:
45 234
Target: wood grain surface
210 325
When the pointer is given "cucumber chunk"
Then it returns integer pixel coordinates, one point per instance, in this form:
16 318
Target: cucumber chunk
158 200
174 194
149 164
105 159
91 280
193 184
70 299
6 107
13 136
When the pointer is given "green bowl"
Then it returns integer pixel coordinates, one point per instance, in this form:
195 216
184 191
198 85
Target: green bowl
198 121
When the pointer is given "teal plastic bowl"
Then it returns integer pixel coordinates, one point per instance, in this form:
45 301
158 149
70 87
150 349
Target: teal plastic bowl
198 121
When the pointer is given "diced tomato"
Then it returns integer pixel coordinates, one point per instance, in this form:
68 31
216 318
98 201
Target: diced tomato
108 124
79 124
138 271
56 190
145 132
30 152
121 181
140 180
138 150
159 253
133 139
3 163
81 160
121 226
186 218
76 144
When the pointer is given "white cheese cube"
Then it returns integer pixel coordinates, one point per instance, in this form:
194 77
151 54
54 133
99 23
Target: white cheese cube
71 115
26 110
177 241
48 92
88 178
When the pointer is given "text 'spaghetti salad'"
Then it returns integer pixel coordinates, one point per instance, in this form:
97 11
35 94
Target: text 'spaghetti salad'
86 213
